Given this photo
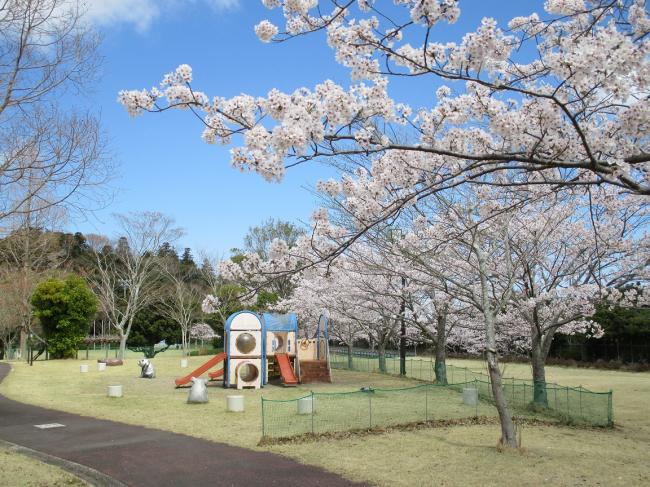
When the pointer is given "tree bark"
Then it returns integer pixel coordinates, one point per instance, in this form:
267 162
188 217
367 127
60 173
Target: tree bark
350 355
402 335
538 362
508 436
120 353
381 350
23 344
441 350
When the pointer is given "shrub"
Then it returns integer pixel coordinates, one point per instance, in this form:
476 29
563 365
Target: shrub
64 309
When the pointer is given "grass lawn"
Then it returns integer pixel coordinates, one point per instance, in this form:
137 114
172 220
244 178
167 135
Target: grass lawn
441 456
18 470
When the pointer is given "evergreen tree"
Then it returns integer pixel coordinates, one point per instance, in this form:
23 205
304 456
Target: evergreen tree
65 309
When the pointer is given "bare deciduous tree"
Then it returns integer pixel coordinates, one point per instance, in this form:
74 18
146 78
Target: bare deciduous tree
127 276
49 154
182 301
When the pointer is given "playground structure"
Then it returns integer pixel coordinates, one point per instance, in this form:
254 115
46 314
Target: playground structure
261 348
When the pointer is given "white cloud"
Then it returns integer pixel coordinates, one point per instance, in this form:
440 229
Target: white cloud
142 13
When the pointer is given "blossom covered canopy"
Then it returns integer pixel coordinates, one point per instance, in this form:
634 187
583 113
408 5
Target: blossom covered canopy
575 113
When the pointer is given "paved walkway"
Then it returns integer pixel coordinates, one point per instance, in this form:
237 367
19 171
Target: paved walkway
142 457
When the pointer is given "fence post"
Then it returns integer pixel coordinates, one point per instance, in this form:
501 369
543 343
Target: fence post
610 410
477 396
580 400
370 407
426 404
568 415
312 412
263 430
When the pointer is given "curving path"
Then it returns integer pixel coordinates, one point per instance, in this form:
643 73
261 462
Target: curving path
139 456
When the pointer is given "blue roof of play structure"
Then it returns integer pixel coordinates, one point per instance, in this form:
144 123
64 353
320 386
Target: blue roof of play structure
278 322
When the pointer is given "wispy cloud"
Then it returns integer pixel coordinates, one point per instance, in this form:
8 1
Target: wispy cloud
142 13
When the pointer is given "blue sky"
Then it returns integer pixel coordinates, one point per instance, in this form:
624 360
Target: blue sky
163 165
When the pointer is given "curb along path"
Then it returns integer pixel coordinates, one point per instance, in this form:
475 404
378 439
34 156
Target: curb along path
139 456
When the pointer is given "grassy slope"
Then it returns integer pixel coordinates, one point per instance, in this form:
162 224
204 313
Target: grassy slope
17 470
444 456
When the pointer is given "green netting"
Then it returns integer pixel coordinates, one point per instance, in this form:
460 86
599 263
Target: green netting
335 412
320 413
567 404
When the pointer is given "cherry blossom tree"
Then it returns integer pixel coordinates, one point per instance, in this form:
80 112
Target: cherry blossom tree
203 332
572 113
556 101
572 256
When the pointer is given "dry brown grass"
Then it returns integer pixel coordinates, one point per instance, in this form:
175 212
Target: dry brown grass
448 455
18 470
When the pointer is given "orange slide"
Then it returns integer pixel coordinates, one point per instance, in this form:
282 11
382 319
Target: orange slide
220 357
286 370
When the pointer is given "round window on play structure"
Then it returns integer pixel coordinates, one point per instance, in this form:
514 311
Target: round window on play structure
280 342
248 372
245 343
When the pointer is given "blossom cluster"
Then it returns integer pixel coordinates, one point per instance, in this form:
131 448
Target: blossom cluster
202 331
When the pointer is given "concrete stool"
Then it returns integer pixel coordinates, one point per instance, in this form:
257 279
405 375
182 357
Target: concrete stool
306 405
183 363
83 368
115 391
101 366
470 396
235 404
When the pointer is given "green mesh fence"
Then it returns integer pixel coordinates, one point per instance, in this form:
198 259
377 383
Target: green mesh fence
319 413
567 404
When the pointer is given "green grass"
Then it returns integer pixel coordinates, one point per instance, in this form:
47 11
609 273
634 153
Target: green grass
98 353
18 470
442 456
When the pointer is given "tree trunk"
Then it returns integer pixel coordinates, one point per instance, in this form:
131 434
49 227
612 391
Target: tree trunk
381 350
350 359
538 362
184 342
508 436
402 335
120 353
441 350
23 343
